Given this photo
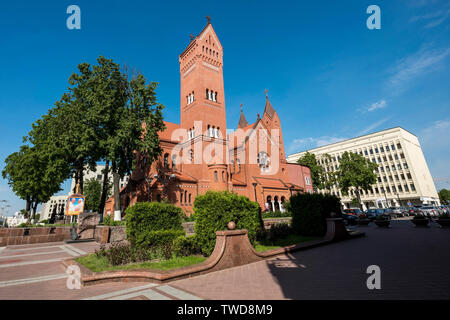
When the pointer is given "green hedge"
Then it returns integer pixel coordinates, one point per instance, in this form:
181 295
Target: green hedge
157 238
153 223
309 213
214 210
185 246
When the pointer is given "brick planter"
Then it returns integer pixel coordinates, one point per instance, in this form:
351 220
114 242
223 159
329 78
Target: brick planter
232 249
17 236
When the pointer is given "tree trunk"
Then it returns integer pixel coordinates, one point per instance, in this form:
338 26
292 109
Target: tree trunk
104 189
34 209
358 196
116 181
76 182
28 205
81 180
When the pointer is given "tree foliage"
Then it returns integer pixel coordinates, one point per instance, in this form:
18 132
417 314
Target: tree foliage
93 194
357 172
320 178
444 196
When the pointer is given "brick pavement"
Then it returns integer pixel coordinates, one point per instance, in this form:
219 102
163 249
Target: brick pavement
414 264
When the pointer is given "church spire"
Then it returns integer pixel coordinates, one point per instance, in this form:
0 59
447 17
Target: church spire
268 108
242 121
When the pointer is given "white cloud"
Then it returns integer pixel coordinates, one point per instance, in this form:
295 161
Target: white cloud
373 126
377 105
432 19
424 61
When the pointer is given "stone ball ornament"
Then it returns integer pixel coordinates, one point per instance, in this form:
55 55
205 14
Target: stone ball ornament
231 225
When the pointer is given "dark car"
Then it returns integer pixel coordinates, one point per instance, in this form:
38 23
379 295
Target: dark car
354 212
350 219
412 211
372 214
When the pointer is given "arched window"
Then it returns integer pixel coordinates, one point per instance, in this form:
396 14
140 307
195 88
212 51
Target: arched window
166 160
174 161
215 176
185 196
223 176
207 93
181 197
189 198
269 206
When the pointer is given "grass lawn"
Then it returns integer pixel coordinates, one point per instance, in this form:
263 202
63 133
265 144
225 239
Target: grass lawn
265 245
97 264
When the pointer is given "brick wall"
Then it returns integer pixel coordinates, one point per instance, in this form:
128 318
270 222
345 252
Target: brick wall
15 236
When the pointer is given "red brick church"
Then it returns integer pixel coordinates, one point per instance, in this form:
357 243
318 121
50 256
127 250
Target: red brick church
199 155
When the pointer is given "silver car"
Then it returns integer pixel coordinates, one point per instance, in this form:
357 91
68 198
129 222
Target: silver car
429 211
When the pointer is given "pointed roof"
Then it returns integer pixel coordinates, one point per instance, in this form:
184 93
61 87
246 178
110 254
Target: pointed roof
242 121
268 108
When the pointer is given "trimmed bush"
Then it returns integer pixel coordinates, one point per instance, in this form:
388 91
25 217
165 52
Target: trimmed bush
214 210
185 246
309 213
279 231
153 223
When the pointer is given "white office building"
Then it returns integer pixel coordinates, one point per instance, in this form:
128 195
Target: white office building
98 174
403 177
58 202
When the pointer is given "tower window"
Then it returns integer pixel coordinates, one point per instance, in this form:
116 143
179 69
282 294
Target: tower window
215 176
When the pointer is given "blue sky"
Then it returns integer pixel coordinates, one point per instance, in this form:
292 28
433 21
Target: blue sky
329 76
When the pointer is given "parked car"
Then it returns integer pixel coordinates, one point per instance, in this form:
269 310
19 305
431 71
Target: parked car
372 214
429 211
350 219
389 212
397 211
355 212
412 211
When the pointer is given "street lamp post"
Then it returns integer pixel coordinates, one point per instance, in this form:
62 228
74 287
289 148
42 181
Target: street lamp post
384 191
165 179
399 201
254 187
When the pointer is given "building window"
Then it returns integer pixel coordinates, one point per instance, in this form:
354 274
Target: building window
405 165
387 148
189 198
181 197
413 188
308 181
402 176
393 147
399 146
215 176
174 161
381 149
185 196
166 160
409 175
238 161
406 188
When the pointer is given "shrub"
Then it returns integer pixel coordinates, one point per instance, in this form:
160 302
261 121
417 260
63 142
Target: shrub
144 220
445 215
279 231
120 253
214 210
419 217
157 238
309 212
185 246
275 214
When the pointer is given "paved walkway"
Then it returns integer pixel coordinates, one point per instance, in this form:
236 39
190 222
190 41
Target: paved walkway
36 272
414 264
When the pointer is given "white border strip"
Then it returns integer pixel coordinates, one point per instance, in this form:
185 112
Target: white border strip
31 280
152 295
79 251
71 252
120 292
178 293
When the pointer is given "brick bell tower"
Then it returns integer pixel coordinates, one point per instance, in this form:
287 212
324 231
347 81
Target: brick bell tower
202 107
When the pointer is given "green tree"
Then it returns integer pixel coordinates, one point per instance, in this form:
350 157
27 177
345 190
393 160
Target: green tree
444 196
356 171
320 178
93 194
129 118
32 177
